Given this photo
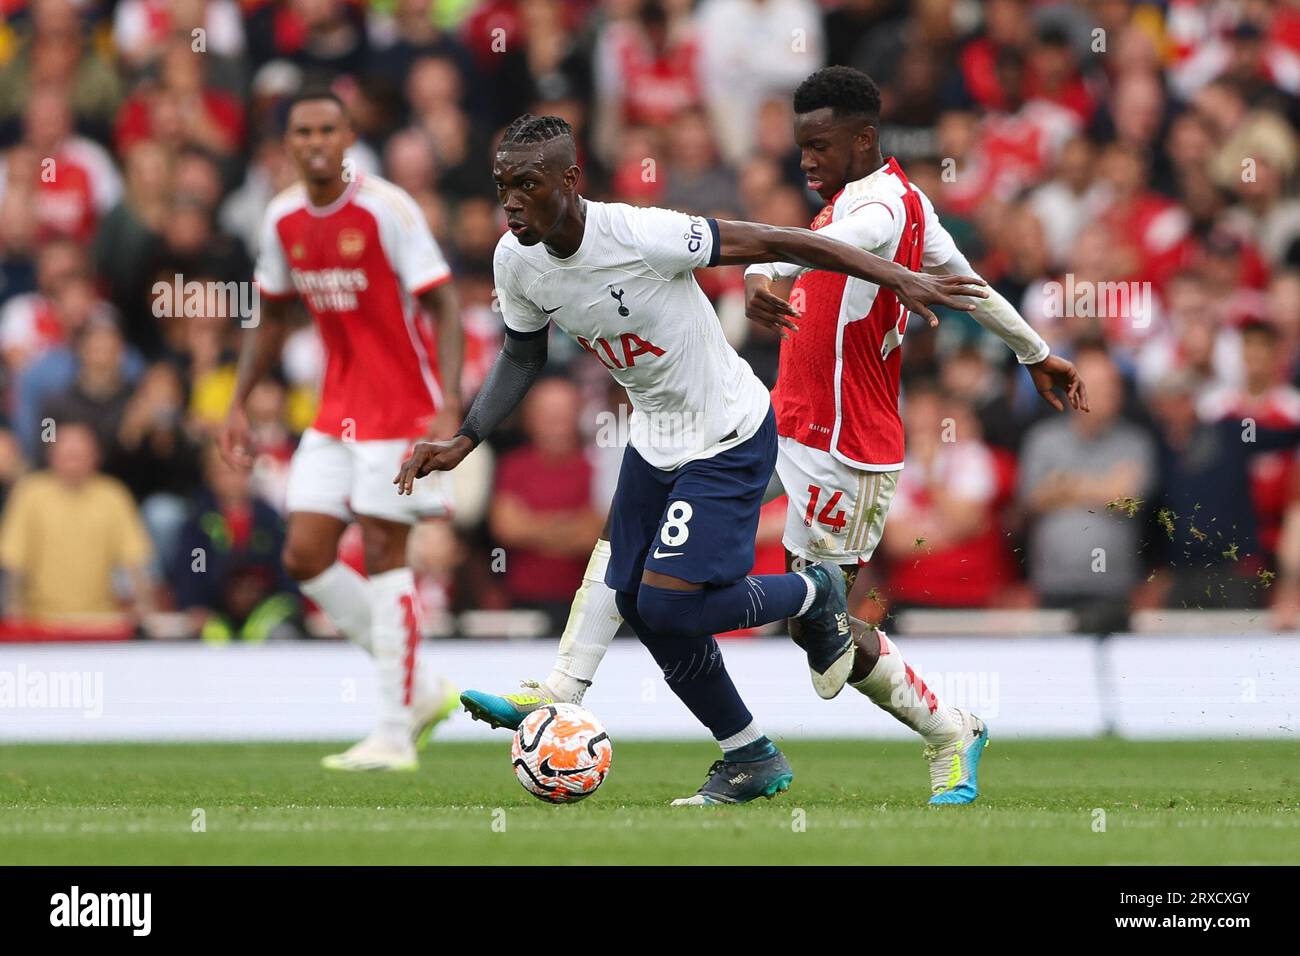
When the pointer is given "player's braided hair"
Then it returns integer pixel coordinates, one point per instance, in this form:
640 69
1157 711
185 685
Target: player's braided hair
848 92
529 129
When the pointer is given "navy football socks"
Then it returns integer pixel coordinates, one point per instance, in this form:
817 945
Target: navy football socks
694 671
749 602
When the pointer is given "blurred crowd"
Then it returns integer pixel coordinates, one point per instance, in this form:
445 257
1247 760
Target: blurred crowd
1123 172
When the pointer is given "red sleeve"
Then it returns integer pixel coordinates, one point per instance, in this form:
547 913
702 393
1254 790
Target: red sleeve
132 124
226 112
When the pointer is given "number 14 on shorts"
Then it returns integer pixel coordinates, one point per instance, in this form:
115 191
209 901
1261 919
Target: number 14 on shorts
828 516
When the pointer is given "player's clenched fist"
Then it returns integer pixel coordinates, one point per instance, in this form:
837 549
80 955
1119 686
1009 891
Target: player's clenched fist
430 456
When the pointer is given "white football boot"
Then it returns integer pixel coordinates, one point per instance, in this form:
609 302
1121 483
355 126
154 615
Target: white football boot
432 709
376 752
954 765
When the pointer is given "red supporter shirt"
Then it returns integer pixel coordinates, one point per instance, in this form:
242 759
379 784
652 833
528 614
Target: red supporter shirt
548 486
135 119
359 264
968 573
651 86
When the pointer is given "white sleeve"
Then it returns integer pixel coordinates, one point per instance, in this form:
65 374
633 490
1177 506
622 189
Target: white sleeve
271 273
868 225
672 242
972 476
415 256
939 247
998 315
994 313
105 183
519 313
15 322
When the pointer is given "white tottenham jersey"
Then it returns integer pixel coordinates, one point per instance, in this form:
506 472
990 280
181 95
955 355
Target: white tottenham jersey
628 296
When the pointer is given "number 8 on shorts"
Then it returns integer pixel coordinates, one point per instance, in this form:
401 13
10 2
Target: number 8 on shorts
675 531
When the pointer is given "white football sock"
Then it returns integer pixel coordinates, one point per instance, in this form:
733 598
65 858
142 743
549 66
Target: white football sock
747 736
809 597
344 596
593 622
341 593
893 687
395 637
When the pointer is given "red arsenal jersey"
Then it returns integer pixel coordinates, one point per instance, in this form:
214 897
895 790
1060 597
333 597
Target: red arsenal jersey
359 264
837 389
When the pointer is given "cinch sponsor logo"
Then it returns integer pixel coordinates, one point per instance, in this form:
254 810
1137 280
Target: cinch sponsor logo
103 909
695 238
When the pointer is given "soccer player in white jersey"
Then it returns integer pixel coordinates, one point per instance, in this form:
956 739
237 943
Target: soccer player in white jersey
359 254
619 279
836 399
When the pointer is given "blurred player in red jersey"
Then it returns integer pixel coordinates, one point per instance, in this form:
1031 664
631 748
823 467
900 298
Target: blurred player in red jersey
359 253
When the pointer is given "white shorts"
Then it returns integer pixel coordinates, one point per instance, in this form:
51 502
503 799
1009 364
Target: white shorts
836 512
350 478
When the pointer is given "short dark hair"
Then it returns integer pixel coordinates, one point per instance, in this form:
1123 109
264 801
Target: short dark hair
1259 325
530 130
311 95
846 91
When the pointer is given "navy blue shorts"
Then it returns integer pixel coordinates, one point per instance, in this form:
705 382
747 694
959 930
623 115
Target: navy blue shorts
696 523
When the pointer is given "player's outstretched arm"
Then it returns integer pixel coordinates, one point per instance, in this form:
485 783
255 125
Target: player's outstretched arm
261 350
521 360
744 243
1049 372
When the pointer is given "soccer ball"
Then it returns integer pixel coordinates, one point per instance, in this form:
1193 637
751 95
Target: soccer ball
561 753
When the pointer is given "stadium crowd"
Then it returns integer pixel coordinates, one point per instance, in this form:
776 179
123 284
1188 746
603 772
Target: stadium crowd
1124 172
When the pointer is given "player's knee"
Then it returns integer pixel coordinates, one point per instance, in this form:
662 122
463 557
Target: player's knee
669 613
383 544
302 562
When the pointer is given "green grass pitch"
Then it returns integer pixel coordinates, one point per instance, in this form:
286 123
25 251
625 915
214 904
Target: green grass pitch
853 802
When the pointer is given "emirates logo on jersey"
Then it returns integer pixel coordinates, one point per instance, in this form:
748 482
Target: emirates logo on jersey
352 242
330 290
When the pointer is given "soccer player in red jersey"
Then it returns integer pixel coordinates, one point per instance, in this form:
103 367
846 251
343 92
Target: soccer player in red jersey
359 254
836 397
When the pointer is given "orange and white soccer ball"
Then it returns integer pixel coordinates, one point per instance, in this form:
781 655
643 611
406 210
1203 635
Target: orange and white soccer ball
561 753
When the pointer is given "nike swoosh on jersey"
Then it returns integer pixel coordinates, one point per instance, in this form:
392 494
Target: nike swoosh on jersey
668 554
552 311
